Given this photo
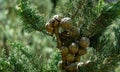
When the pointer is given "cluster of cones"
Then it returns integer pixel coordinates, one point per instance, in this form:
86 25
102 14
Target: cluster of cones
71 45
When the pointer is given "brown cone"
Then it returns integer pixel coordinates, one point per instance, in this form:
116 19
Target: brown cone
70 57
73 48
81 52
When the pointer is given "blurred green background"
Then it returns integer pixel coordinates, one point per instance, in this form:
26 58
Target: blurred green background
22 51
26 52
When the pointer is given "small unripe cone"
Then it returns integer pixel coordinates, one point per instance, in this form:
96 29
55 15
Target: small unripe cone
73 48
70 57
81 52
84 42
49 28
77 58
64 50
66 23
72 67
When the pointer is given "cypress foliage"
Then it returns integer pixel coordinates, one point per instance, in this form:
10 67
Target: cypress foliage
31 19
96 20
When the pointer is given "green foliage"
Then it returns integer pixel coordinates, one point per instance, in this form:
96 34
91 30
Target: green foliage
95 18
17 61
29 58
92 17
106 54
109 45
32 20
53 62
22 60
108 14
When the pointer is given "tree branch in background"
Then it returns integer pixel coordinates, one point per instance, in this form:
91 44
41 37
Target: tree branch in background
31 19
108 49
105 42
75 12
54 2
5 46
104 20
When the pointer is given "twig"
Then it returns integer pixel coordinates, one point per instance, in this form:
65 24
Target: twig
5 46
75 12
58 38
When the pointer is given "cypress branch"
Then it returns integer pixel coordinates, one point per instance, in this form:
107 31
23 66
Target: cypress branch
31 19
104 20
108 50
108 55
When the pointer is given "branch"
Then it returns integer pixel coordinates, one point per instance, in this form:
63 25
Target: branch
5 46
31 19
99 65
104 20
73 15
108 50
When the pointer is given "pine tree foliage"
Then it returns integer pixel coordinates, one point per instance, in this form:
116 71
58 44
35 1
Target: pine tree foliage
17 60
31 19
91 14
20 60
108 46
53 62
106 57
97 20
105 19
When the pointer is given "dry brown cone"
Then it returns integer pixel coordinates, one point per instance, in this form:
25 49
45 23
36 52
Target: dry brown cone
77 58
70 58
52 24
84 42
73 48
64 51
49 28
72 54
64 35
64 58
72 67
66 23
57 17
81 52
74 32
62 65
55 21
